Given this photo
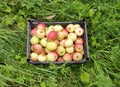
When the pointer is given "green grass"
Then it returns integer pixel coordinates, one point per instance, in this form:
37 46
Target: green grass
103 22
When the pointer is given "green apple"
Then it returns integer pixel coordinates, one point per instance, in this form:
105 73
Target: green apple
58 28
68 43
79 31
51 46
43 42
76 26
70 28
34 56
42 58
40 33
51 27
34 40
70 49
47 51
72 36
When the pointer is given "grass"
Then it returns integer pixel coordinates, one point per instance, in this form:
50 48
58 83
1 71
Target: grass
103 22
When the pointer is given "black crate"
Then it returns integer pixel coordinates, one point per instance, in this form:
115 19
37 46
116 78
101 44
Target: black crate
32 23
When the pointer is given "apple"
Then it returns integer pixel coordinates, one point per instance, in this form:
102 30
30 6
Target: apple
67 57
72 54
52 35
62 42
78 47
57 42
76 26
47 51
60 50
58 28
79 31
37 48
70 28
51 46
51 27
41 26
33 32
61 35
43 42
32 49
34 56
68 43
82 52
65 32
79 40
43 52
70 49
40 33
60 59
77 56
72 36
52 56
34 40
42 58
47 31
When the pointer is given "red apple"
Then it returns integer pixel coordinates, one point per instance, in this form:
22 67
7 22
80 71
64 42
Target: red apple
57 42
33 56
37 48
32 49
79 40
60 59
67 57
60 50
33 31
78 47
79 31
61 35
43 52
47 31
52 56
62 42
41 26
77 56
52 35
65 32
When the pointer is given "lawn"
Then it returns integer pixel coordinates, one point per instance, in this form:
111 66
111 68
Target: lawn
103 22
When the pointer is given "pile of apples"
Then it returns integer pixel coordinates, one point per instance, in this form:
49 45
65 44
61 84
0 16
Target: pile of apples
55 43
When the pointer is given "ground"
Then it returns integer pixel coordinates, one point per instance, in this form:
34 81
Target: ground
103 22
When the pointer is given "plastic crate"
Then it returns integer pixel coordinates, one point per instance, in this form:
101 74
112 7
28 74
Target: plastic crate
32 23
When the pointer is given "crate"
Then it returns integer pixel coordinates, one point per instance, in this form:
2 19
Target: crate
32 23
